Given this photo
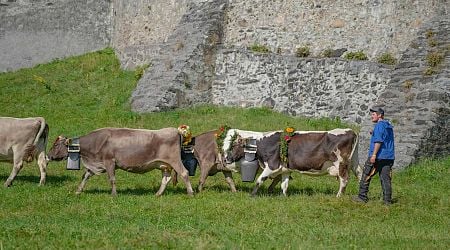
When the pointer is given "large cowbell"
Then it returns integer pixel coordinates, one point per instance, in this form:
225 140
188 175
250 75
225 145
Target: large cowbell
73 160
249 164
188 158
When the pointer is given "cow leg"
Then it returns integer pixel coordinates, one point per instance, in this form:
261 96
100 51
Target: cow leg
86 176
18 164
274 183
167 175
285 183
203 175
266 173
229 180
42 162
343 180
182 171
111 171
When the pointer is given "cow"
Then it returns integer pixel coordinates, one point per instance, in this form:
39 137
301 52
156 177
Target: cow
23 139
211 160
313 153
132 150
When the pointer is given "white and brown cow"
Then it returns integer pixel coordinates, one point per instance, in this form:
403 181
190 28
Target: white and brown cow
315 153
23 139
132 150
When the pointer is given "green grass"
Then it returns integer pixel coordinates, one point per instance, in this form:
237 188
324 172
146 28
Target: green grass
83 93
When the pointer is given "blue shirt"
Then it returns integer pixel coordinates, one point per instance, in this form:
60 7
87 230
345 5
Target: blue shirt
383 132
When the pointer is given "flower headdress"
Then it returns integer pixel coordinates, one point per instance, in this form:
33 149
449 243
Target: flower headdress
285 138
185 131
220 136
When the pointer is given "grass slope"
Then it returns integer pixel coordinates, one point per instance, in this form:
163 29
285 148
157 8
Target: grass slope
79 94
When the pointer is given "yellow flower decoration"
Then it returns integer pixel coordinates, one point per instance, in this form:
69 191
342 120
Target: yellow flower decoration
285 138
185 131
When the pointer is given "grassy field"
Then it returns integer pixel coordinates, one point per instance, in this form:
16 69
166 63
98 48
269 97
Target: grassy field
83 93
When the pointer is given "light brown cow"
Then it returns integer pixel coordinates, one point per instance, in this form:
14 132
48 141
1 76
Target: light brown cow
132 150
23 139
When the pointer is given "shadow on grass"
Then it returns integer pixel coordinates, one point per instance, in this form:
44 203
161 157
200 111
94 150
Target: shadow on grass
309 191
49 180
138 191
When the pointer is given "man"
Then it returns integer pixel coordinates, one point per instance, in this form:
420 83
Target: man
380 158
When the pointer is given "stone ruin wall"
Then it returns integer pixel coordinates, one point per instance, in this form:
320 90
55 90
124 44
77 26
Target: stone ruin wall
38 31
373 26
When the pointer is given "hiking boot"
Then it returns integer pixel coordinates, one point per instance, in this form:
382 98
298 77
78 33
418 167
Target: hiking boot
387 203
358 199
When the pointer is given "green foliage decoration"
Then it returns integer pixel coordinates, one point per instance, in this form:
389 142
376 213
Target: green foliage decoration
285 138
220 136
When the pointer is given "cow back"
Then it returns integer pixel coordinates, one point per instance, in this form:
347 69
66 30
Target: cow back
131 147
26 136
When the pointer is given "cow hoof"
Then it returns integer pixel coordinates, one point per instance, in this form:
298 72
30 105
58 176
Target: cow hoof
78 192
7 184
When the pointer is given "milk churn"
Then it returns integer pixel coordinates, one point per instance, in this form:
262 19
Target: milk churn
249 164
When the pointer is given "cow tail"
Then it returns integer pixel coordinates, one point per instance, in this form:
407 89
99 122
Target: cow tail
354 157
43 131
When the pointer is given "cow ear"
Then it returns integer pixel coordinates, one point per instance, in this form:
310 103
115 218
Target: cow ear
68 141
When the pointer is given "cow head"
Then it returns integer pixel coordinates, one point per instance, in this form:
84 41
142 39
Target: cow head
236 150
58 151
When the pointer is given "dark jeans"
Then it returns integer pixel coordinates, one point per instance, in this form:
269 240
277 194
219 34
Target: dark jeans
384 168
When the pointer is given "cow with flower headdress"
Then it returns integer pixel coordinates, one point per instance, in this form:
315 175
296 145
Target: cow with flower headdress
314 152
210 150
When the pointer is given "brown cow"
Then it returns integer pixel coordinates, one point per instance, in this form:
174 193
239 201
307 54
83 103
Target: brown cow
132 150
313 153
211 161
23 139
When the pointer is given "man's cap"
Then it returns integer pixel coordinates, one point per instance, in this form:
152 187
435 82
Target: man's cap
378 110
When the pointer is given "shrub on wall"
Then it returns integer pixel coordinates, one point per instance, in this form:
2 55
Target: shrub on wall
387 58
328 53
359 55
259 48
302 52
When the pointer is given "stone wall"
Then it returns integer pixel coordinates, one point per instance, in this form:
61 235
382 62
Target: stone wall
329 87
373 26
33 32
142 26
181 74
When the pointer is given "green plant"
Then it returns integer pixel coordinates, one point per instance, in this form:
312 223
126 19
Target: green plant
432 42
408 84
434 59
409 97
429 71
387 58
259 48
139 71
429 34
40 80
302 52
359 55
327 53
